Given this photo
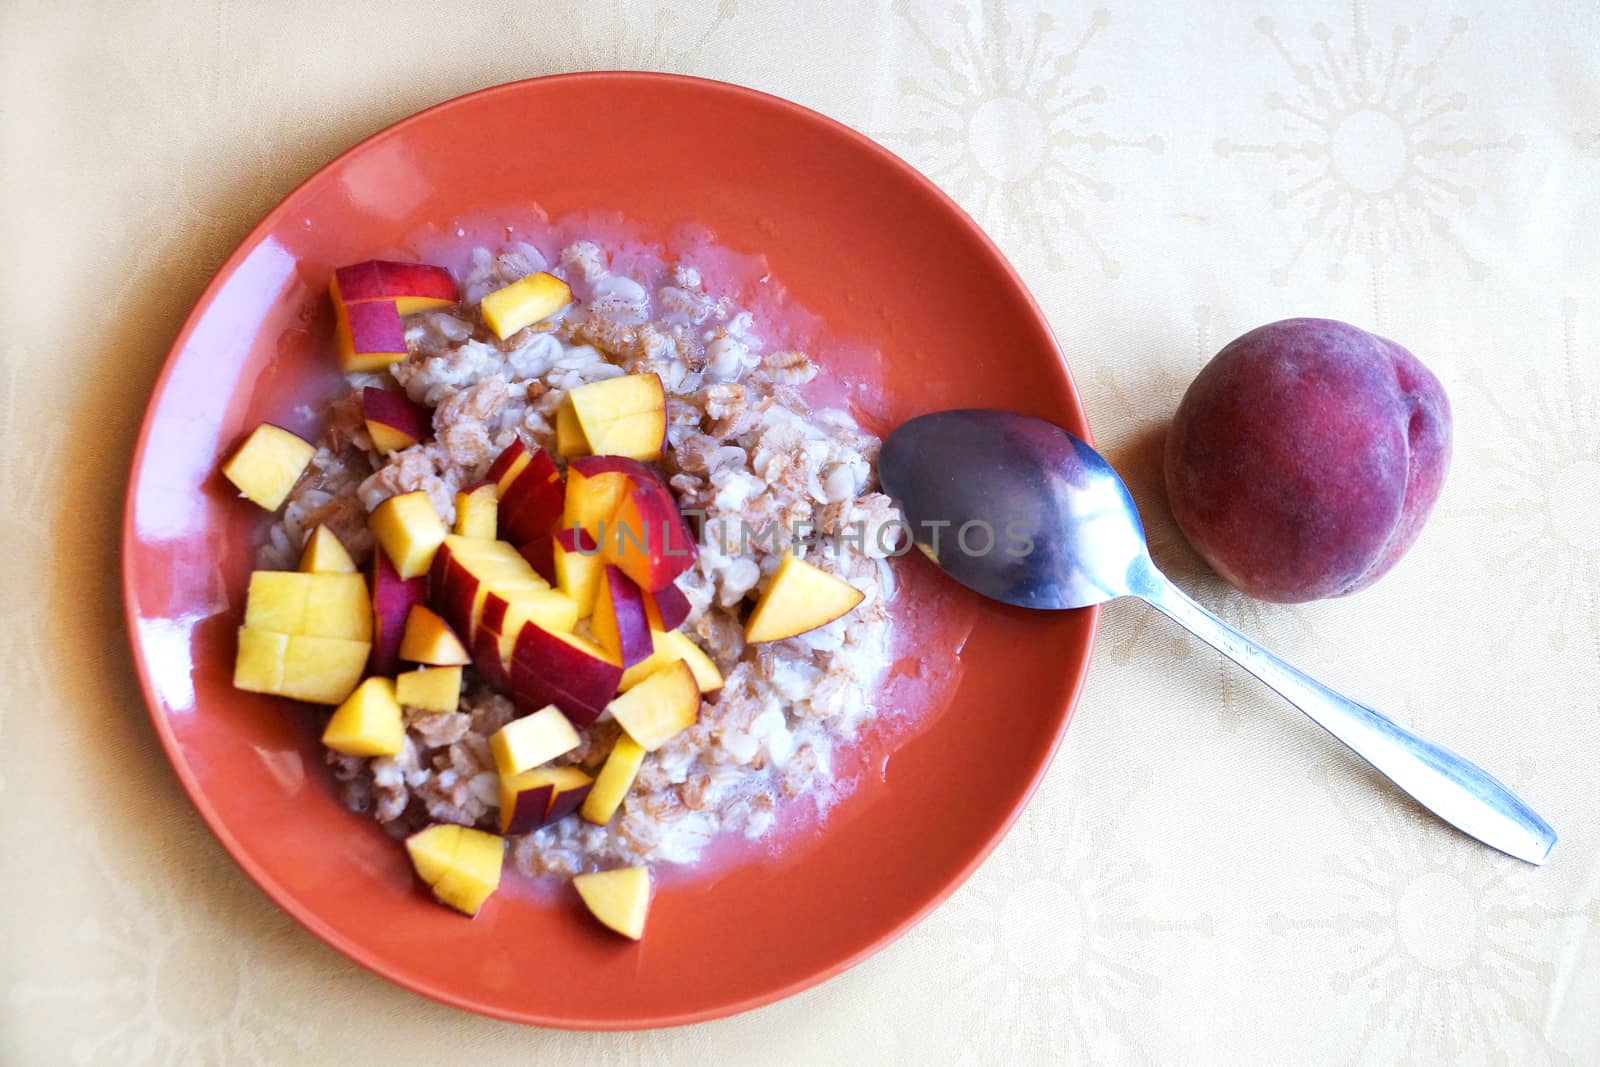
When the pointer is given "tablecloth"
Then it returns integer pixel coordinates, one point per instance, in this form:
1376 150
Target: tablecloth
1204 877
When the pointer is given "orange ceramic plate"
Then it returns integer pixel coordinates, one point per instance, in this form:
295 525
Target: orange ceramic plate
858 237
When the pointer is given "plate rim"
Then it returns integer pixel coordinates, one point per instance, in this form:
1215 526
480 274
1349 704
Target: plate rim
275 891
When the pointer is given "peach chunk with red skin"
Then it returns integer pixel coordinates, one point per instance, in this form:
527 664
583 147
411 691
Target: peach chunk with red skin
647 539
392 420
574 674
532 498
619 623
533 798
393 597
412 287
369 337
1305 458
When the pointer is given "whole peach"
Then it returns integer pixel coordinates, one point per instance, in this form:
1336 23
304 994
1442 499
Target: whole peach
1305 458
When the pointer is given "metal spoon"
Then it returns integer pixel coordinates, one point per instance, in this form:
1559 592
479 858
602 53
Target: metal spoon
1030 515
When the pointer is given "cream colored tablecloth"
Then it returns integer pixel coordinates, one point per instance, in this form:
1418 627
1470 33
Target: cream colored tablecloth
1204 877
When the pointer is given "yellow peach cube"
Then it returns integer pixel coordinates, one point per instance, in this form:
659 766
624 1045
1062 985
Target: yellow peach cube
613 781
525 743
670 646
802 597
268 464
435 689
409 531
324 553
258 668
368 723
429 639
570 441
433 850
322 670
525 302
477 513
473 873
337 605
276 601
660 707
624 416
578 573
620 899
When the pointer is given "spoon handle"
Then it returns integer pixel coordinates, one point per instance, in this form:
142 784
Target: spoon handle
1457 790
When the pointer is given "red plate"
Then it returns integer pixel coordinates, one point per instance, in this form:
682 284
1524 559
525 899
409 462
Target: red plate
856 236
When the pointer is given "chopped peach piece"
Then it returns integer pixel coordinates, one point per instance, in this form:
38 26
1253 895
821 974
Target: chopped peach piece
368 723
337 606
540 796
671 646
620 899
505 614
276 601
570 441
474 871
317 605
322 670
647 538
571 672
409 531
324 553
614 781
461 865
624 416
258 668
525 302
436 689
660 707
525 743
477 512
801 597
619 623
412 286
429 639
268 464
392 420
509 465
593 499
432 850
369 337
578 567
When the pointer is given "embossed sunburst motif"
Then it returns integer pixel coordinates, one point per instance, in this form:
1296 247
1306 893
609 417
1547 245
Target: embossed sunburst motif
1373 150
1436 939
1133 442
139 996
999 117
1543 503
613 35
1040 947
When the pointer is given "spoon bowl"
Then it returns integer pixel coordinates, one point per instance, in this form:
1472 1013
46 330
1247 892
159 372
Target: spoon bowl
1016 508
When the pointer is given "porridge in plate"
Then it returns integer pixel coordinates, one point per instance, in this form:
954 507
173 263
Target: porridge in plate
587 577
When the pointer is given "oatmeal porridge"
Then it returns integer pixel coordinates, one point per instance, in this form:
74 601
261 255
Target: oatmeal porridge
451 401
